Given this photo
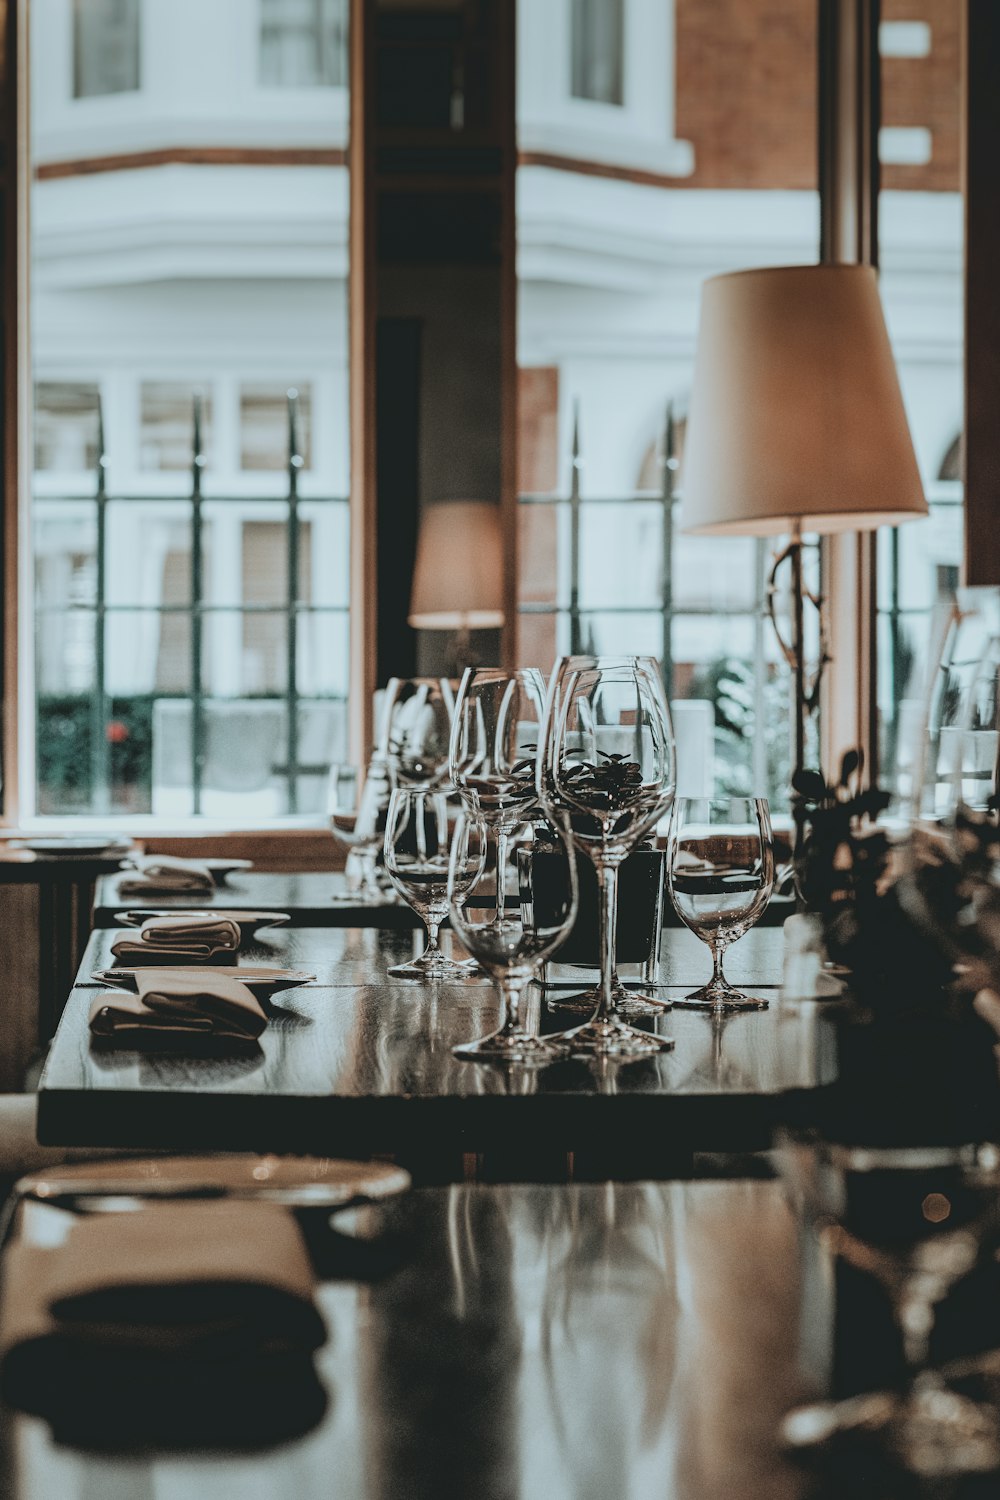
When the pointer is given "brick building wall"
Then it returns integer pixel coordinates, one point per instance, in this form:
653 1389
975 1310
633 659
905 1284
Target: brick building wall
746 93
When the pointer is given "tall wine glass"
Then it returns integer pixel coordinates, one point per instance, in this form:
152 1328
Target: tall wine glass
491 759
419 840
606 759
359 823
416 730
534 923
720 869
917 1219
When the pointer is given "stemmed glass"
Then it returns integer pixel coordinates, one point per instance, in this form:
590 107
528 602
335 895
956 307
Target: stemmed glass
720 869
416 730
491 759
359 823
918 1219
420 839
606 759
534 923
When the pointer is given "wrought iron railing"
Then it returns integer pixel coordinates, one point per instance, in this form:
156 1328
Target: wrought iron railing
197 608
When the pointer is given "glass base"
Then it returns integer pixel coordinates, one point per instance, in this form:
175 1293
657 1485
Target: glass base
626 1002
512 1047
612 1038
933 1430
435 965
364 896
719 996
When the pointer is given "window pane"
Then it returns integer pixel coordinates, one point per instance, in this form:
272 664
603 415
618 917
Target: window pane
105 47
597 41
148 553
166 430
303 42
710 166
207 277
66 426
920 251
265 432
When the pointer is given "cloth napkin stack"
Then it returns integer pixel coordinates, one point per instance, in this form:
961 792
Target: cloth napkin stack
161 872
188 937
179 1010
176 1324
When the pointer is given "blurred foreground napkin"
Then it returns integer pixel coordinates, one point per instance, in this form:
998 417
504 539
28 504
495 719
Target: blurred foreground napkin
175 1009
194 935
175 1324
162 872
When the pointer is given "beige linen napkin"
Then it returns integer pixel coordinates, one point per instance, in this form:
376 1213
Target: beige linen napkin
167 1277
174 1008
163 872
195 935
176 1324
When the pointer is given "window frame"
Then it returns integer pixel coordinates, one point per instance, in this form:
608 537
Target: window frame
848 183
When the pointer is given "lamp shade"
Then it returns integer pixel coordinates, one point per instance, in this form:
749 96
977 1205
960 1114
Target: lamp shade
458 575
796 415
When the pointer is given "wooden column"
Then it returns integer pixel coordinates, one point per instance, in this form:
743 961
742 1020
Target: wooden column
849 185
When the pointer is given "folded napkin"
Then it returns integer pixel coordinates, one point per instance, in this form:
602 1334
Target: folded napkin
162 872
177 1010
173 1324
193 935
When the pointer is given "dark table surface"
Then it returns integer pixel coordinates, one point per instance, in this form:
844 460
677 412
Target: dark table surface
308 896
360 1063
550 1343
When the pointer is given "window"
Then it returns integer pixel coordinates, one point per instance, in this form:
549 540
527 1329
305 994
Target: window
190 515
597 35
303 43
921 255
264 433
67 422
105 47
166 424
606 351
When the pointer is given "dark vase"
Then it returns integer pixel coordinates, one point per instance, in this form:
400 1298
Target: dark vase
640 892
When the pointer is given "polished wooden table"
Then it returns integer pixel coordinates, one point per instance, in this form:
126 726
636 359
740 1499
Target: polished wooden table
307 896
359 1063
549 1343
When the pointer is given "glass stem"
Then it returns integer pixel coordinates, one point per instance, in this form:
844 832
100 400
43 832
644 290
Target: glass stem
916 1321
718 954
511 989
433 928
503 838
607 893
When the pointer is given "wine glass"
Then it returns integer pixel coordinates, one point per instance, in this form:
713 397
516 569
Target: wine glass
607 759
918 1219
416 730
419 838
535 921
491 759
359 823
720 869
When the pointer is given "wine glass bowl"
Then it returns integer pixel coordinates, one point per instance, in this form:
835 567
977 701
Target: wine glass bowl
420 840
494 740
534 921
357 820
416 730
606 761
720 870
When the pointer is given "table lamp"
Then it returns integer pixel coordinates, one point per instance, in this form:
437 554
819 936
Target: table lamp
796 423
458 574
